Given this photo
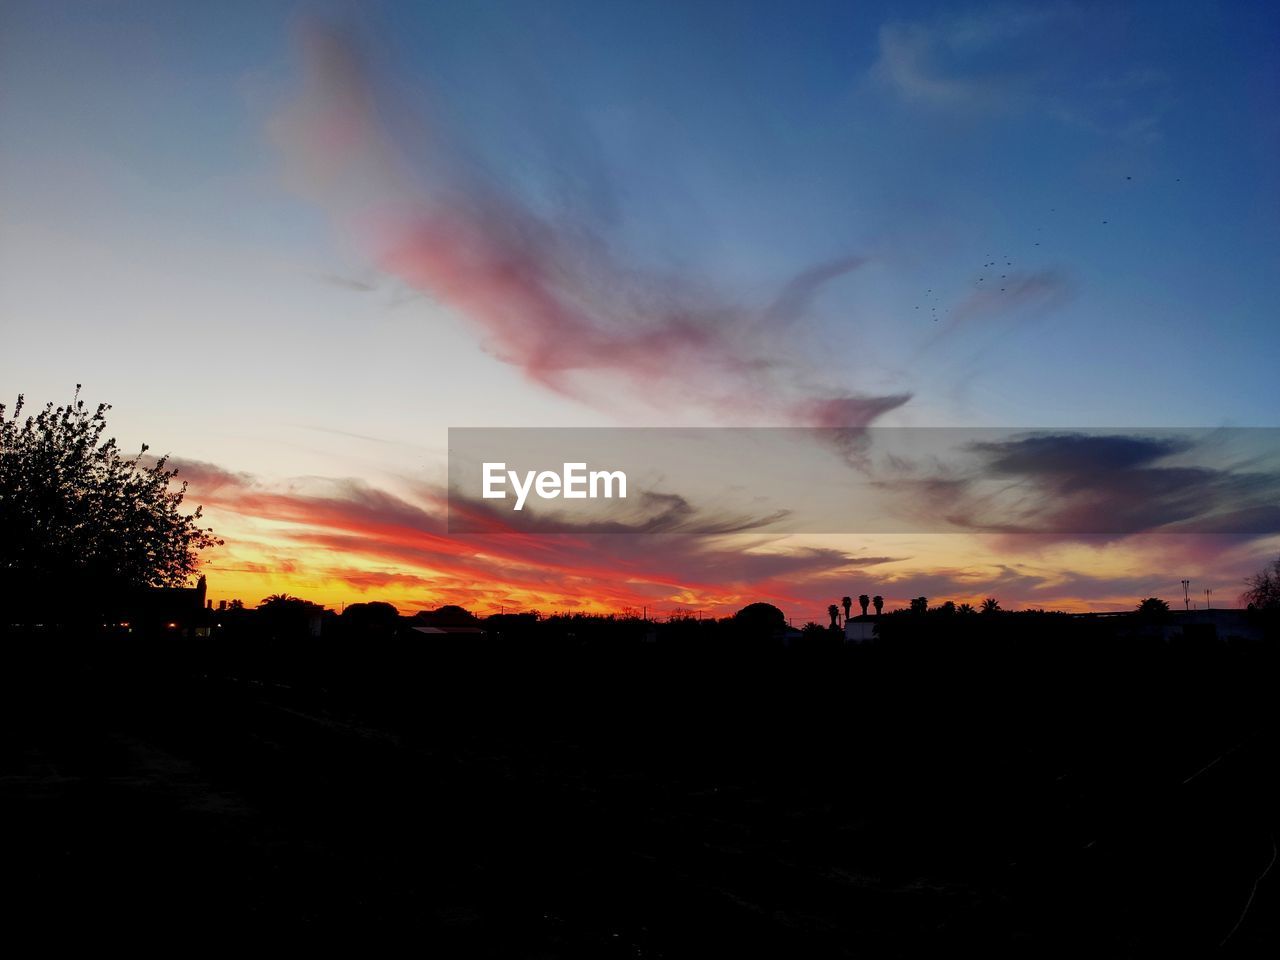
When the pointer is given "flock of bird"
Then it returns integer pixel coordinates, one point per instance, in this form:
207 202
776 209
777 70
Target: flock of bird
991 263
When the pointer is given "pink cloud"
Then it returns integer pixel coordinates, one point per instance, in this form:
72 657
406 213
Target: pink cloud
545 292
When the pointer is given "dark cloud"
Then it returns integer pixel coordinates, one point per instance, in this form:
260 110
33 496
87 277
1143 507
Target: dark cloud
1077 455
646 512
1072 485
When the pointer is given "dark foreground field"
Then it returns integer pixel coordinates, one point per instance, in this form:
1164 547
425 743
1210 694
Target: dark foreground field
1016 798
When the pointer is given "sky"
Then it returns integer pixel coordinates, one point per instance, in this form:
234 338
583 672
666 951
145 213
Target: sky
293 244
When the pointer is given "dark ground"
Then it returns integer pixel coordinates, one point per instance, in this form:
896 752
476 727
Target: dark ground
1024 800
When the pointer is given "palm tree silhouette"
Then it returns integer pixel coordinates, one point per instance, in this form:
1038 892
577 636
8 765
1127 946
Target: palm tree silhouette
965 608
863 601
834 613
991 605
846 602
878 602
1153 607
279 600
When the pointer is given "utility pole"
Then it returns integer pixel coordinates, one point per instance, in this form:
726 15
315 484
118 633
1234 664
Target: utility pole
1207 592
1186 593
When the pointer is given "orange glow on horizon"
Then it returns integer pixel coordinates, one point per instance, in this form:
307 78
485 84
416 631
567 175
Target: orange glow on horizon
335 553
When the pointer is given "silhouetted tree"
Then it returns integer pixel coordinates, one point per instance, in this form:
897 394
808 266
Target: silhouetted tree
760 618
847 603
285 616
863 601
74 510
281 601
834 613
878 602
920 605
965 608
991 605
1263 591
813 632
948 608
1153 607
450 615
377 616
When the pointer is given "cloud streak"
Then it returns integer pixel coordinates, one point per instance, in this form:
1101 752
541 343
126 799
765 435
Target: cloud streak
1076 485
546 291
1008 57
372 539
339 537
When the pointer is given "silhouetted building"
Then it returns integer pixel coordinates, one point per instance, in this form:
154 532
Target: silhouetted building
859 629
92 604
1221 624
447 631
449 620
182 611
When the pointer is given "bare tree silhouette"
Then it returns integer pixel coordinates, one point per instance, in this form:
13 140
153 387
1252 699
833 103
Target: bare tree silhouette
1263 591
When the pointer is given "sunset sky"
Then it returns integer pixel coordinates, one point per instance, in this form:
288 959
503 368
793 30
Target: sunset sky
293 244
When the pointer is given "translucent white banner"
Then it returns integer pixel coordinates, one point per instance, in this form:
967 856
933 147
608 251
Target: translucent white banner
1112 481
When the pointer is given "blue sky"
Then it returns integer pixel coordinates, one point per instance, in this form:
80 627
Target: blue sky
161 242
736 144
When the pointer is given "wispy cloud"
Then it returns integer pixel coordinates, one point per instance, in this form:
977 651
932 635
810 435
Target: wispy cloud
545 289
370 539
972 60
1007 57
347 536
